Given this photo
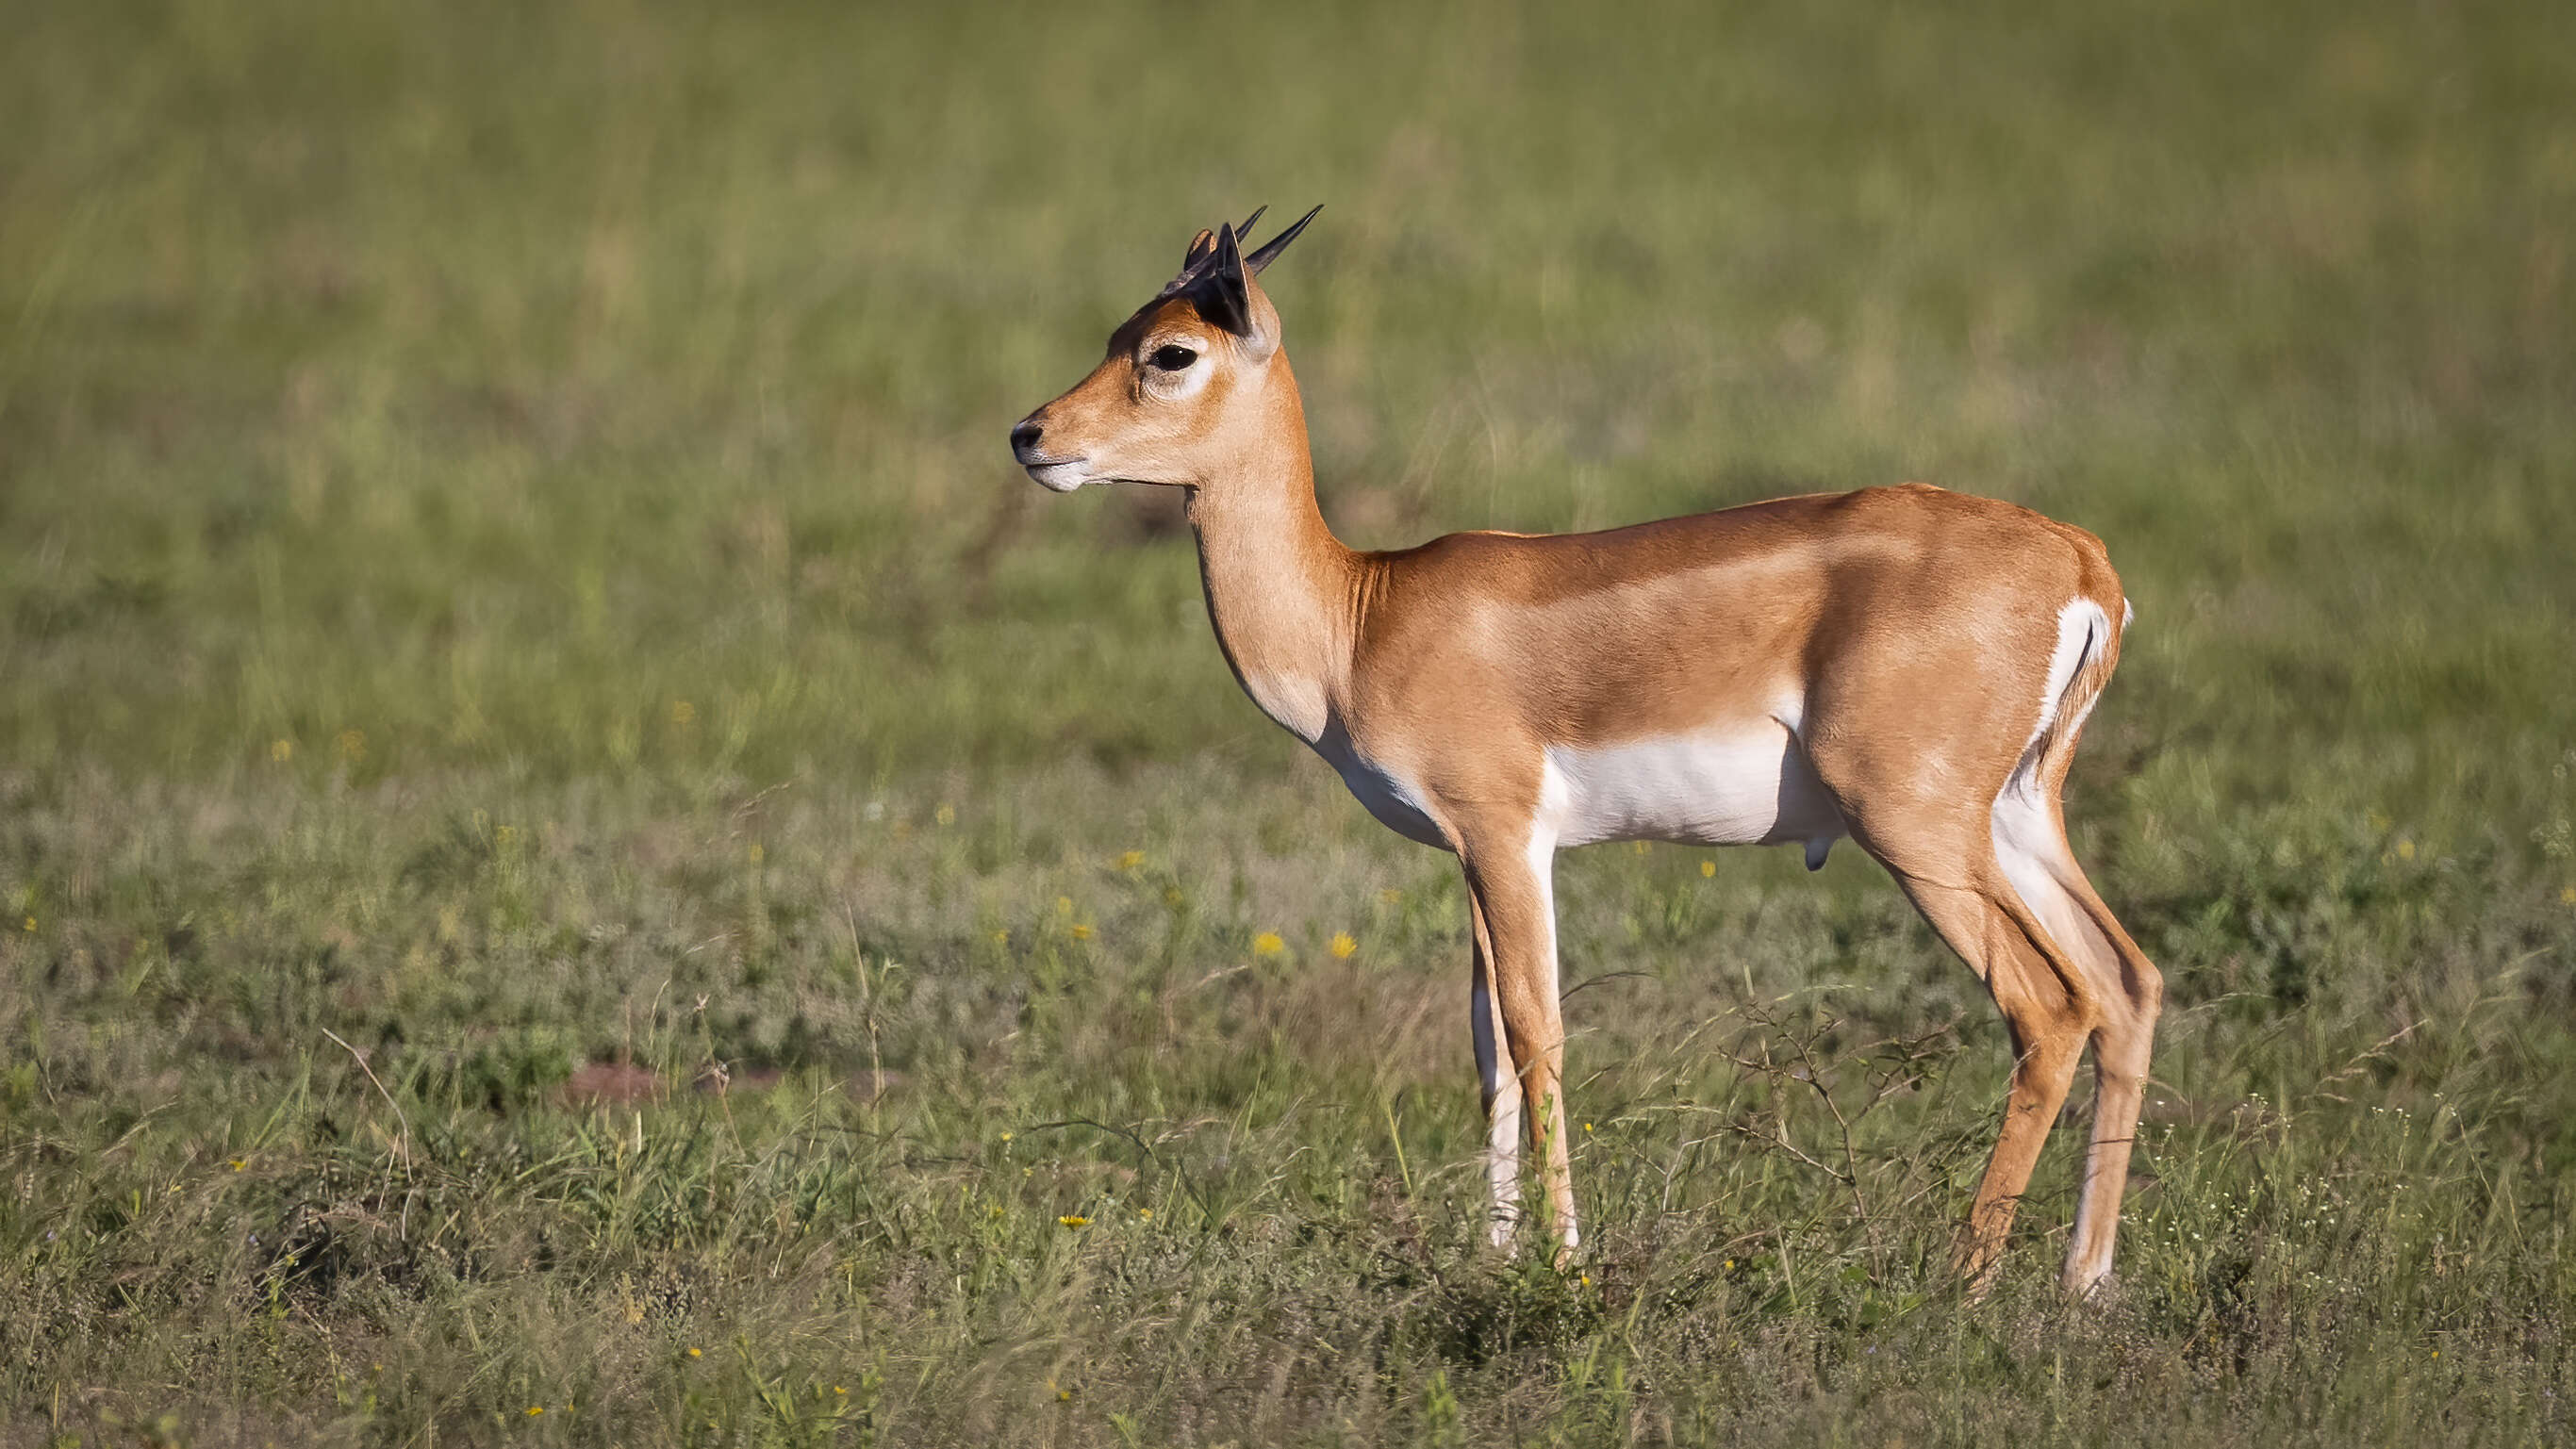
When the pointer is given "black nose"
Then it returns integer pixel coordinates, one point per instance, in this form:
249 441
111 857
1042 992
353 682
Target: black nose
1024 439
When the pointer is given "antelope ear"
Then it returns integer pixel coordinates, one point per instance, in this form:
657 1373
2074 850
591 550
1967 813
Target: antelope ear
1200 246
1222 294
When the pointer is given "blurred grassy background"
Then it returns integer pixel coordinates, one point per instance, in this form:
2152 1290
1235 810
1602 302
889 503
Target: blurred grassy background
507 556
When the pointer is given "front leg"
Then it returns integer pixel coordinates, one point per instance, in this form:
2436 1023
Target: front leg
1500 1087
1513 893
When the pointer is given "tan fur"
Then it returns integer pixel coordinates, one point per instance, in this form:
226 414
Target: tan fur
1903 636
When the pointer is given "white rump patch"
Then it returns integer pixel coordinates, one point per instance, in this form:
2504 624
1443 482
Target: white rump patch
2081 628
2027 841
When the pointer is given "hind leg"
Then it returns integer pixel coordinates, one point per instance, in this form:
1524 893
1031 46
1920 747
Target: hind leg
2121 1046
1962 810
1944 860
1944 857
2030 843
2048 1018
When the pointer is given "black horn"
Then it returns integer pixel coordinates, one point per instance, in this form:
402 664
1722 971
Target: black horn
1271 249
1202 258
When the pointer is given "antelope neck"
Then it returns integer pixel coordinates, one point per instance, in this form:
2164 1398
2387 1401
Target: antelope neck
1282 591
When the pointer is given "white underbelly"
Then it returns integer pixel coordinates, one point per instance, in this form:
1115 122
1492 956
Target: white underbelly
1747 786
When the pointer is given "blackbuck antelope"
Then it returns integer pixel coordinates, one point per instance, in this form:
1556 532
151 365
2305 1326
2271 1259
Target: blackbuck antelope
1905 666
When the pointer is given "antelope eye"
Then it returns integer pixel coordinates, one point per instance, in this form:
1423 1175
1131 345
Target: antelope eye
1174 358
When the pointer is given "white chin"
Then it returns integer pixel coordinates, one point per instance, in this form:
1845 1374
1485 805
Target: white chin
1059 477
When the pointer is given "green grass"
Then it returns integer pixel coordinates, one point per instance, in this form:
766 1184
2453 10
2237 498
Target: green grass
510 581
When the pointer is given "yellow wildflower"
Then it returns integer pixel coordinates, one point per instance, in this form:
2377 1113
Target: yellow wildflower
1268 944
1707 868
2406 850
535 1409
1342 945
1131 860
1074 1220
1146 1213
1082 933
693 1353
2565 897
281 751
240 1162
946 814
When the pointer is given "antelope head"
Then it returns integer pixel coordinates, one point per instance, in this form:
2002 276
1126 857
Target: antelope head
1183 378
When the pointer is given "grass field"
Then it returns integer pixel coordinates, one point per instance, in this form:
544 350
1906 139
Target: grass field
585 862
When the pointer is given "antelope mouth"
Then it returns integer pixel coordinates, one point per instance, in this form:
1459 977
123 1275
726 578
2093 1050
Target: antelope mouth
1057 475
